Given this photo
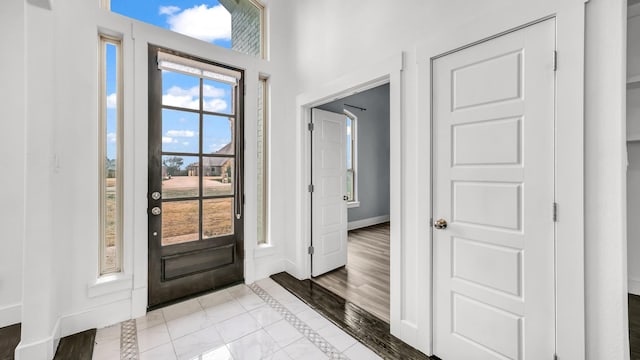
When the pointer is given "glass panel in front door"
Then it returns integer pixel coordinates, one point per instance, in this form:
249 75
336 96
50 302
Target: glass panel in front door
198 158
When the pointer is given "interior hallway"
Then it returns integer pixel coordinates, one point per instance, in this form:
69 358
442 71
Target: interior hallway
364 281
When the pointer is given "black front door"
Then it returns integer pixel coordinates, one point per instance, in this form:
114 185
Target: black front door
195 176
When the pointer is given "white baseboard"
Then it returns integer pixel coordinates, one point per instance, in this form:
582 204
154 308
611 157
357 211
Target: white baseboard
293 270
97 317
367 222
267 266
633 286
139 300
41 349
10 314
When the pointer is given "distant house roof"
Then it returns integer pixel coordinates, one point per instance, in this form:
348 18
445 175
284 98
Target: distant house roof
216 161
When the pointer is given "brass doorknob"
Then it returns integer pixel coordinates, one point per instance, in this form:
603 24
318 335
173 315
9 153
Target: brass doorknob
440 224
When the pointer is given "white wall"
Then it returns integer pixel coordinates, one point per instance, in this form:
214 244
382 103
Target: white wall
633 132
12 145
605 180
382 29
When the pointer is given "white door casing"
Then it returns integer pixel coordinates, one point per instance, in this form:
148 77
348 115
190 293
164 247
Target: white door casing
493 161
329 208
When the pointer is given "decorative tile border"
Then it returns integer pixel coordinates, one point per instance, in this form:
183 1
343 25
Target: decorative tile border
129 340
129 333
300 325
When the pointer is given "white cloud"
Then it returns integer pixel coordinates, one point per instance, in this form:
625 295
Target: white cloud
180 101
186 143
211 91
111 137
168 10
201 22
207 91
181 133
178 91
112 101
215 105
167 140
188 98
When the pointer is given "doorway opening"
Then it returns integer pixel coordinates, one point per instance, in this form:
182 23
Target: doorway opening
195 176
350 170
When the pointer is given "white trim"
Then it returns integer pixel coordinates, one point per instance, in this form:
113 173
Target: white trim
634 286
353 204
10 314
368 77
109 284
570 274
358 224
137 147
263 250
40 349
354 157
117 42
97 317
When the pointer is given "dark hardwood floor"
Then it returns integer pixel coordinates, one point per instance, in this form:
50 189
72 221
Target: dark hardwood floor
77 346
357 322
365 279
634 326
9 339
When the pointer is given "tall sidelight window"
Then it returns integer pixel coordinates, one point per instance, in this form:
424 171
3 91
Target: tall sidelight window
263 155
351 157
234 24
110 154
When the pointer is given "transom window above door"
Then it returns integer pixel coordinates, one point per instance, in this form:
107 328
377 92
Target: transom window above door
234 24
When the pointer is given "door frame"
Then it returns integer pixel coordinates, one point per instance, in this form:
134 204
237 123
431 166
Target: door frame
136 251
158 288
569 154
384 72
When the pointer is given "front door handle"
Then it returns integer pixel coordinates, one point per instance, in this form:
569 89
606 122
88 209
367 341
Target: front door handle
440 224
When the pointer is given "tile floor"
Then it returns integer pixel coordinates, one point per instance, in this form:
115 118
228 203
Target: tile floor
261 321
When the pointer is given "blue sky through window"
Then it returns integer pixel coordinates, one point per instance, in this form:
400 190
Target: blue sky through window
111 75
180 129
205 20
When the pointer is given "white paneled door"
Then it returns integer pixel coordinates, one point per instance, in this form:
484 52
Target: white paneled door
493 120
329 205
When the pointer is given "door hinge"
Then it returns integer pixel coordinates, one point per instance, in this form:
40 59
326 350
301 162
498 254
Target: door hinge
430 222
555 212
311 188
555 60
310 250
244 89
310 126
